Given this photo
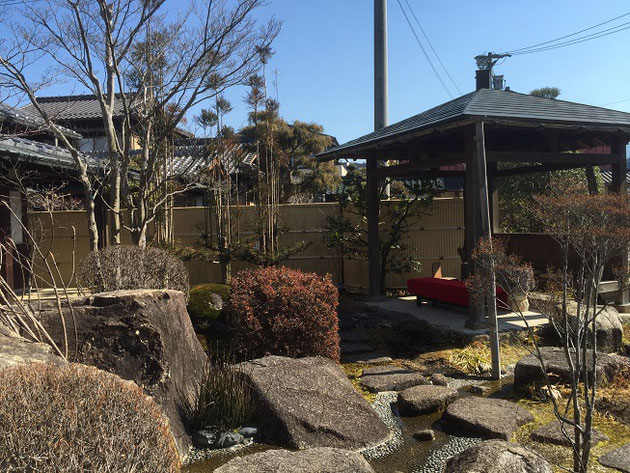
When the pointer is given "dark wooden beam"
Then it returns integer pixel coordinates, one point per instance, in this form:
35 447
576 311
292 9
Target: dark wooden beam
416 167
374 256
534 169
551 158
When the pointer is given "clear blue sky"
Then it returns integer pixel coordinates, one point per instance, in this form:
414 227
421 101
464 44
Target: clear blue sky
324 56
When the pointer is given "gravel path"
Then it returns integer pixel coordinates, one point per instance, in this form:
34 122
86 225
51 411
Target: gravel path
437 457
383 407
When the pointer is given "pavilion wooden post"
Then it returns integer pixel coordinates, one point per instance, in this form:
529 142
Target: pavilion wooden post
374 256
472 225
483 210
619 170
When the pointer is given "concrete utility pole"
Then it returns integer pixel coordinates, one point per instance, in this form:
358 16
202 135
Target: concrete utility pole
380 64
380 121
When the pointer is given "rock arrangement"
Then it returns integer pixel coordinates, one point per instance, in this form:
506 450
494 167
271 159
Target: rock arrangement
143 336
497 456
390 378
425 399
309 402
528 370
312 460
618 459
552 433
486 417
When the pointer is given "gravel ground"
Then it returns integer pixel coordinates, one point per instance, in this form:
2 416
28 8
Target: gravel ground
383 407
437 458
198 455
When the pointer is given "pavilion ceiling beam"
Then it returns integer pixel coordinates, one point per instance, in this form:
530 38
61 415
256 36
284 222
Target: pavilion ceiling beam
534 169
551 158
587 127
414 168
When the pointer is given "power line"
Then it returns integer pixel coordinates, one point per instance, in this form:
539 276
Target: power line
431 45
435 71
569 35
554 44
590 37
618 101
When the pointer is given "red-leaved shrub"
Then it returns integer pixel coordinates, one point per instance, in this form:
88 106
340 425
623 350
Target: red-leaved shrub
283 311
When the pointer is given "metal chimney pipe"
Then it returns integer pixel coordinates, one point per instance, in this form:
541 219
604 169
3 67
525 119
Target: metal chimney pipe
380 64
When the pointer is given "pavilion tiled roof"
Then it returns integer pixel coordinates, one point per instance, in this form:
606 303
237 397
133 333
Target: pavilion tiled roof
504 104
28 119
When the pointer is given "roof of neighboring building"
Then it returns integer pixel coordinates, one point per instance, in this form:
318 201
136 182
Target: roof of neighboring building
191 159
34 152
29 119
489 103
74 107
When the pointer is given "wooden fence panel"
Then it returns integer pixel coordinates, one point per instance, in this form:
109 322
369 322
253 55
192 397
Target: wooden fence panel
434 239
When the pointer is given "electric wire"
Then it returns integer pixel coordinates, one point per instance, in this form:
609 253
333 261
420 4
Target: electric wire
568 35
428 58
600 34
431 46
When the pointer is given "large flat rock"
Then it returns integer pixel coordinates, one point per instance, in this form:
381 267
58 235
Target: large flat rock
309 402
618 459
144 336
425 399
552 433
391 378
528 370
487 417
312 460
497 456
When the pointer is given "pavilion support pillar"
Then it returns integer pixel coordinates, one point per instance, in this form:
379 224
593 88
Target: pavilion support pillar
591 180
483 230
374 254
493 190
619 169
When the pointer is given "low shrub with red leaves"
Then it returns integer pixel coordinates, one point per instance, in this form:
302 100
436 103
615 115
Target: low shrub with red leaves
283 311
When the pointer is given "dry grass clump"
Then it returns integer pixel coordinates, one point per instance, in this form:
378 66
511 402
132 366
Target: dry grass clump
122 267
77 418
475 358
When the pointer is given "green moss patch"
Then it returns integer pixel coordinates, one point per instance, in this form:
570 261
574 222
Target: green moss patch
201 304
353 372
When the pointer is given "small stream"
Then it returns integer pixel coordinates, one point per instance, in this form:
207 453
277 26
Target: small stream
410 456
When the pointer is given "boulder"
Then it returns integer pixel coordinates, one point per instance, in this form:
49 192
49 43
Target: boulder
618 459
439 379
309 402
486 417
390 378
528 370
144 336
17 350
552 433
424 399
497 456
312 460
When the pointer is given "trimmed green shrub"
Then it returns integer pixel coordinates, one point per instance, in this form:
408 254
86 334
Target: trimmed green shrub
205 301
81 419
122 267
283 311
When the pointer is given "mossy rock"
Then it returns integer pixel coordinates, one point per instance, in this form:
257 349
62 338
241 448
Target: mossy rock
200 302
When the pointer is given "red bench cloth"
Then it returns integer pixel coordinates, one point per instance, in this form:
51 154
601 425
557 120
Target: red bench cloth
451 291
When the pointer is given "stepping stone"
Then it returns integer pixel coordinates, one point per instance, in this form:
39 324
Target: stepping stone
497 456
439 379
618 459
390 378
353 336
352 348
425 399
368 358
552 433
487 417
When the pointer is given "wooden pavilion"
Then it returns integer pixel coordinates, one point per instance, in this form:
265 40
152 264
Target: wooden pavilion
483 129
